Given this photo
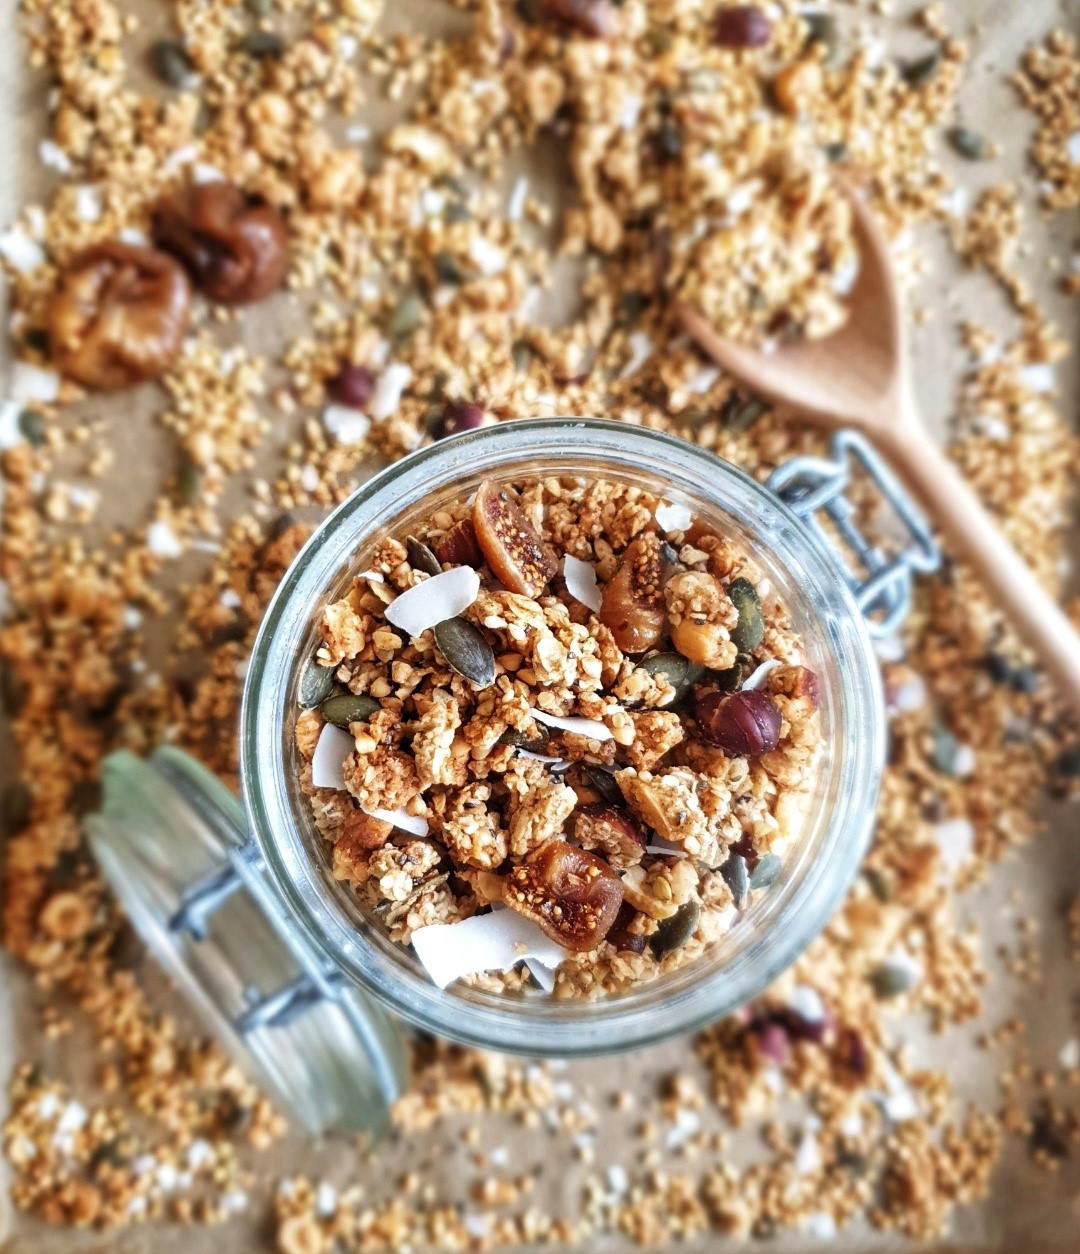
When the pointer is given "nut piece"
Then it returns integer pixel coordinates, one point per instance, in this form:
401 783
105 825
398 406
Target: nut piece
364 831
235 249
459 546
741 26
518 557
743 724
633 606
571 895
614 832
596 18
119 315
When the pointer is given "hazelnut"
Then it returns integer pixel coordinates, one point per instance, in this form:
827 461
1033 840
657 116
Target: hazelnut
797 86
743 724
596 18
615 832
119 315
235 248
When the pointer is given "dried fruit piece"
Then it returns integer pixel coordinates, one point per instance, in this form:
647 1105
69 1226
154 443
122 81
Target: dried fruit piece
749 631
673 933
615 832
460 417
741 26
620 936
571 895
596 18
352 386
421 557
633 606
119 315
743 724
234 247
468 652
459 546
347 708
519 558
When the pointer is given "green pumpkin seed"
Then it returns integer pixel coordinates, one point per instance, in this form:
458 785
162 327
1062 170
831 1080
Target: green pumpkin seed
528 11
836 152
521 354
262 45
421 557
891 979
749 631
189 483
1069 762
737 877
729 680
14 808
171 62
448 270
943 750
32 427
739 415
879 883
348 708
659 39
405 317
259 8
673 933
677 670
604 783
316 684
465 648
917 73
970 144
85 797
520 740
766 871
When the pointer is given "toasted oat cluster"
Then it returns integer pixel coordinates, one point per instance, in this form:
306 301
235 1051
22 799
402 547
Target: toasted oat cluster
568 713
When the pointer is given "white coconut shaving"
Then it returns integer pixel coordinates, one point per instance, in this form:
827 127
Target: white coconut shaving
30 383
665 851
674 517
388 390
414 824
10 433
581 582
515 206
488 258
162 541
435 600
372 576
328 760
20 251
641 348
347 426
486 942
757 677
544 976
956 840
591 728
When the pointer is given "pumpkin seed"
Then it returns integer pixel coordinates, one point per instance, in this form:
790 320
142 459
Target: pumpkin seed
749 631
739 415
171 62
836 152
464 647
85 797
259 8
677 670
766 871
14 808
604 783
970 144
729 680
673 933
447 269
405 317
521 354
316 684
231 632
891 979
659 39
1069 762
262 45
528 11
189 483
916 73
823 30
736 877
631 306
521 740
348 708
32 427
421 557
943 750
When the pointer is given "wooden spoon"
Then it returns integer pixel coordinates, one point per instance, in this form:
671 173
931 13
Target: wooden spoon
858 377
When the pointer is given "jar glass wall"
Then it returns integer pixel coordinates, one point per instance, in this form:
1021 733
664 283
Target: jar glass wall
768 936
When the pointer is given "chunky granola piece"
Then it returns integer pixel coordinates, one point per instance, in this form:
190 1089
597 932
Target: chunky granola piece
656 733
614 832
345 629
384 779
435 744
396 870
573 896
660 889
702 619
668 803
470 830
538 813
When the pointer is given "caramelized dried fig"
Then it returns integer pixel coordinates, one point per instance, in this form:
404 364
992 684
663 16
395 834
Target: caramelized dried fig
459 546
615 832
571 895
633 606
119 315
517 555
743 724
620 936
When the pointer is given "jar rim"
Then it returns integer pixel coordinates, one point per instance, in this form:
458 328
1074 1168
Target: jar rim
655 1010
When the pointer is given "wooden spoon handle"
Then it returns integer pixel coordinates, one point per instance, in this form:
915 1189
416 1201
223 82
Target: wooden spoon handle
956 509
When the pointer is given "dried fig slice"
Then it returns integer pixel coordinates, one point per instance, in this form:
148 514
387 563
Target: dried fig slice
517 555
459 546
571 895
620 936
633 607
614 832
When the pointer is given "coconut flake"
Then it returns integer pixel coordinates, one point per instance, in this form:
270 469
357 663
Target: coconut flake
161 540
414 824
529 756
88 202
641 349
486 942
53 156
581 582
20 251
1039 376
30 383
544 976
1069 1057
435 600
489 258
758 676
1072 148
956 840
328 760
372 576
591 728
133 236
673 517
807 1003
665 851
515 206
346 425
10 435
702 379
392 383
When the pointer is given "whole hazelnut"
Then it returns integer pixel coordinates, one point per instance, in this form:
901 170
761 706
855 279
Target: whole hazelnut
743 724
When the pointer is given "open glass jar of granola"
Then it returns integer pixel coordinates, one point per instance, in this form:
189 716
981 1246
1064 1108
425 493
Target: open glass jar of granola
825 673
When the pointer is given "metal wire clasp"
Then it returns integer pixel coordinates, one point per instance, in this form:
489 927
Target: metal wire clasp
880 581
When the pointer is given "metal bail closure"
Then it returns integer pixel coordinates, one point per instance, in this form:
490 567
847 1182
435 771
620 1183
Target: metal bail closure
880 580
170 839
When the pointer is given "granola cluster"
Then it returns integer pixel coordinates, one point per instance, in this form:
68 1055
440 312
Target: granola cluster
620 754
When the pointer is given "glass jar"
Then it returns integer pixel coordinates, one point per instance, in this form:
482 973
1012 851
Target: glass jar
282 864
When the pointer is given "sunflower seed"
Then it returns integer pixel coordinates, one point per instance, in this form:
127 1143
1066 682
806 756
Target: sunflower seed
316 684
736 877
348 708
465 648
749 631
673 933
766 871
421 557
